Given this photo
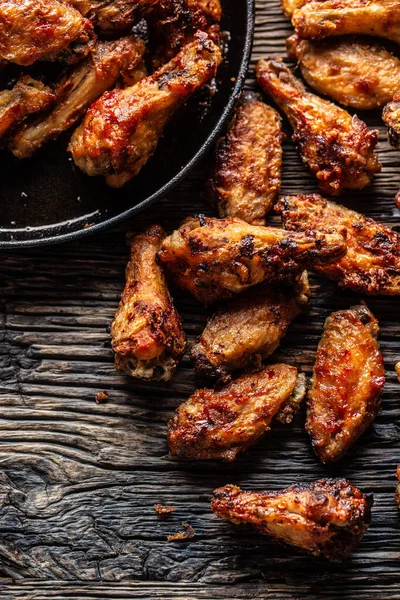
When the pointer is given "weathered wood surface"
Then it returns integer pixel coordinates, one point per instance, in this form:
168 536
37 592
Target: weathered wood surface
79 479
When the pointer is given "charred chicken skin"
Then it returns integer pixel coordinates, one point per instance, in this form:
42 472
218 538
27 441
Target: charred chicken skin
218 258
354 72
246 178
120 131
32 30
372 262
347 383
147 335
391 118
113 16
336 147
326 518
249 328
78 89
218 424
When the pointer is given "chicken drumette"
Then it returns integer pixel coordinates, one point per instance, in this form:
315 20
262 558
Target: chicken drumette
121 129
328 517
218 258
391 118
372 262
218 424
336 147
246 178
113 16
147 335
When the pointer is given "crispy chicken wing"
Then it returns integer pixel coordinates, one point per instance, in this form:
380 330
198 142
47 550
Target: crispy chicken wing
147 335
391 118
246 178
317 20
218 424
347 383
354 72
78 89
120 131
31 30
334 146
218 258
113 16
328 517
28 96
248 329
372 262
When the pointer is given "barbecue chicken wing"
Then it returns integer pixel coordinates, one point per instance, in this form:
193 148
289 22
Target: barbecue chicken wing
347 383
147 335
336 147
113 16
78 89
32 30
218 424
218 258
317 20
246 178
391 118
248 329
120 131
328 517
25 98
354 72
372 262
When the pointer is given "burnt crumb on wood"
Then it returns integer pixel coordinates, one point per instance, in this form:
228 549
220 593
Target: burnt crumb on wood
162 510
187 534
101 397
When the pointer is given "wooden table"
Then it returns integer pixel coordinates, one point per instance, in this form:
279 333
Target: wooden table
79 479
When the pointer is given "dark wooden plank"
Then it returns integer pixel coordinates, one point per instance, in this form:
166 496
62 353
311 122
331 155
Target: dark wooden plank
78 480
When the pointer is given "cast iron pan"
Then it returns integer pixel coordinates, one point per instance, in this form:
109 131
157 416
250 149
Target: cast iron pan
46 199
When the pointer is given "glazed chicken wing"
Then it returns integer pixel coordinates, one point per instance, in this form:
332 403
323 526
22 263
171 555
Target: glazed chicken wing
391 117
113 16
372 262
218 424
354 72
328 517
336 147
78 89
347 383
147 335
248 328
246 178
218 258
32 30
120 131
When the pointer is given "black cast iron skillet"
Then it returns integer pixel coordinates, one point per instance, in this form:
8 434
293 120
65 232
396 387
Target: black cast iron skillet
46 199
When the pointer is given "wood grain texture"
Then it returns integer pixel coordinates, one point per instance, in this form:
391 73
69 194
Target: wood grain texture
78 480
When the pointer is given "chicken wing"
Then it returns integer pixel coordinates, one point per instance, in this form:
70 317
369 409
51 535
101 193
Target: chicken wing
218 424
336 147
78 89
391 118
354 72
218 258
246 177
372 262
328 517
147 335
28 96
120 131
397 368
347 383
289 6
32 30
113 16
317 20
248 329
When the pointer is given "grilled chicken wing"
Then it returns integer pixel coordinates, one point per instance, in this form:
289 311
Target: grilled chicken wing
347 383
372 262
336 147
32 30
391 117
218 424
78 89
246 178
317 20
147 334
328 517
250 327
355 72
120 131
218 258
113 16
28 96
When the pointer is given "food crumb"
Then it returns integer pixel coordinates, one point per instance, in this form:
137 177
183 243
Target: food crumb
101 397
397 367
187 533
163 510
